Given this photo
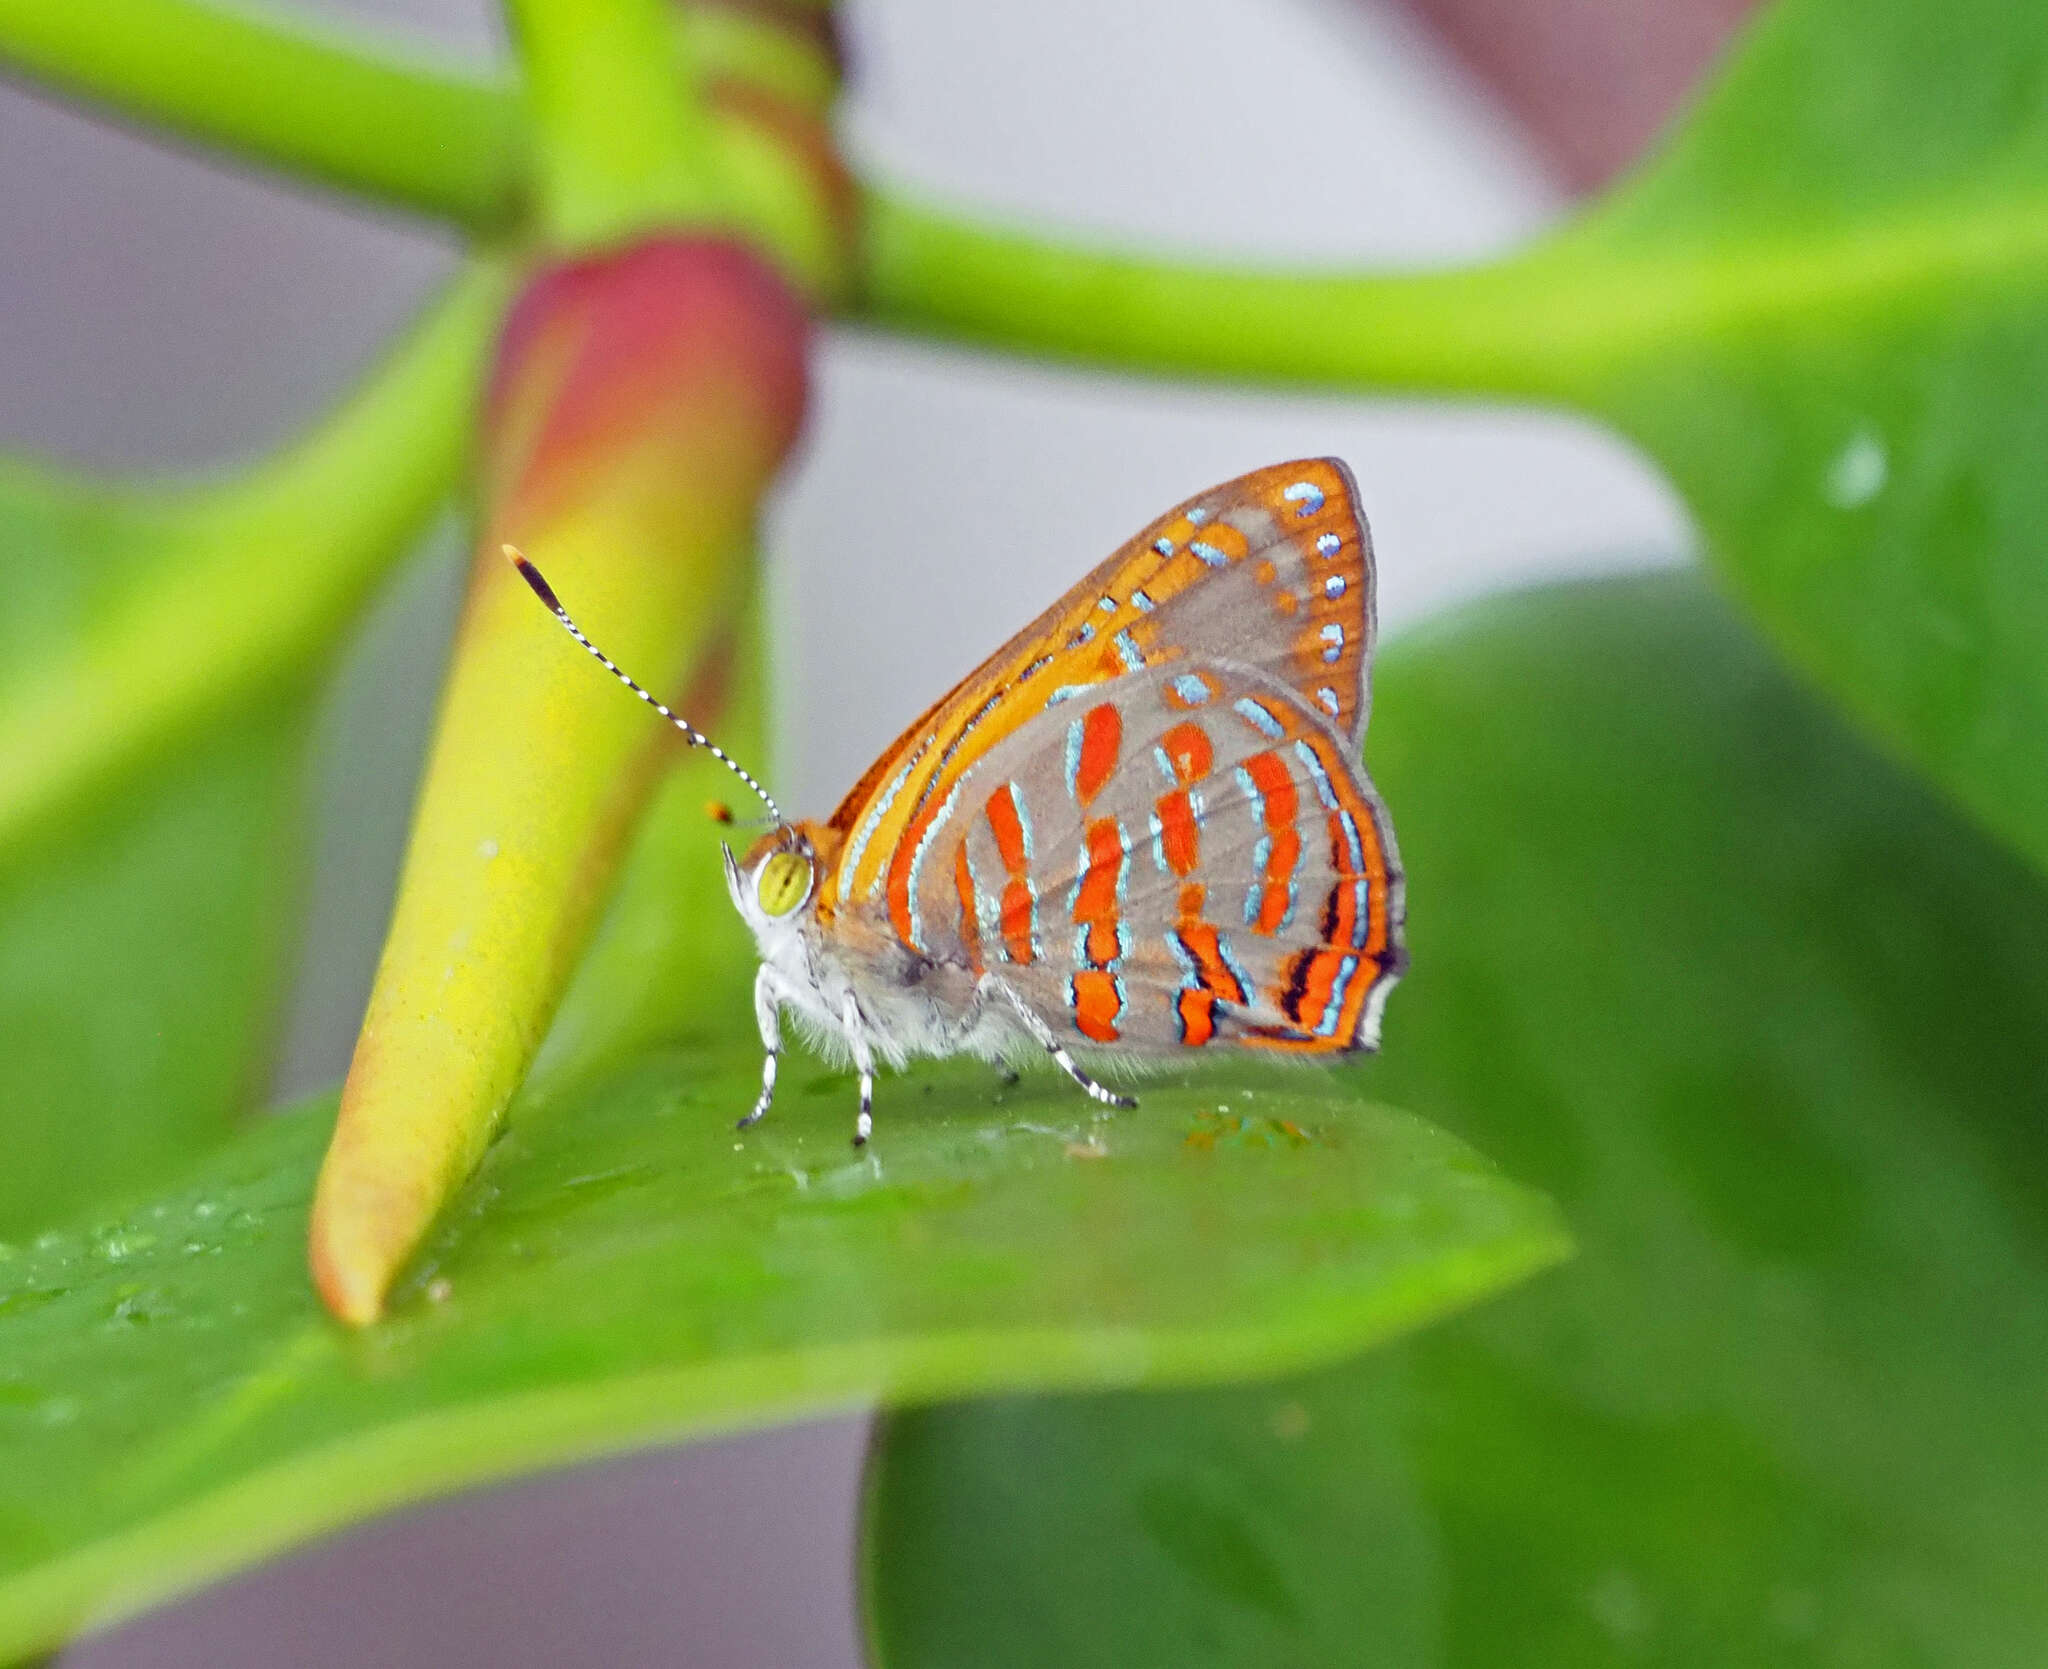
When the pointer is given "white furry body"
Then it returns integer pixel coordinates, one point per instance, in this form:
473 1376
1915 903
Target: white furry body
892 1015
898 1023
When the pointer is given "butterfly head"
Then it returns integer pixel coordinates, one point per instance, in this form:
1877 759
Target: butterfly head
774 885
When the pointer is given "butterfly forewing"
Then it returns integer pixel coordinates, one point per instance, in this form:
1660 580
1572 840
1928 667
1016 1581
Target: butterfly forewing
1146 811
1273 570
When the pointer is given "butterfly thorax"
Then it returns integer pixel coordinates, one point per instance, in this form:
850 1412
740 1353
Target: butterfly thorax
835 964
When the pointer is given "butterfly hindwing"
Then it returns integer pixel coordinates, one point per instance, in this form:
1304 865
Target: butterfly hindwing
1183 855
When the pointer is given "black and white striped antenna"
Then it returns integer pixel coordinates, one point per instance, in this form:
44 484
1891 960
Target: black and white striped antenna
546 593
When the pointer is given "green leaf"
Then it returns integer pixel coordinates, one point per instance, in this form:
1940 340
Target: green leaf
1824 310
624 1268
135 615
1854 407
159 652
143 943
1769 1022
143 926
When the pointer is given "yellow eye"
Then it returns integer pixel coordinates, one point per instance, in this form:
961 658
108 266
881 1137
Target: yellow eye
785 882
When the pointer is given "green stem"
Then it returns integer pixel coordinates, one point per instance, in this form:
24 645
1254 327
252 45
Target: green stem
622 141
1562 320
629 144
1475 329
769 56
243 585
342 107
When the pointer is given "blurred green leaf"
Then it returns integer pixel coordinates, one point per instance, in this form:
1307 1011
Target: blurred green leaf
134 615
143 926
143 949
624 1268
1772 1025
1844 371
160 649
1823 309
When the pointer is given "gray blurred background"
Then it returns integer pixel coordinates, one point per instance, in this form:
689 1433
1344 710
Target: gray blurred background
158 311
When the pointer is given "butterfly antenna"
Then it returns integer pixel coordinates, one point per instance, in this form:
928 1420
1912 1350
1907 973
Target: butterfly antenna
546 593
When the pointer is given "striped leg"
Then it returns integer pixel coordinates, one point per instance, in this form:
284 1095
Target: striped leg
1053 1047
864 1063
768 1015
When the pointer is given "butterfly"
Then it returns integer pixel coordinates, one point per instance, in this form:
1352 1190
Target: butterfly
1141 829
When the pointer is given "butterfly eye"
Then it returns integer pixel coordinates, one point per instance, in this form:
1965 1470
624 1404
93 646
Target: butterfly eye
784 883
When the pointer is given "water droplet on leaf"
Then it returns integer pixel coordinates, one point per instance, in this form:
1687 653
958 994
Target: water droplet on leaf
1858 472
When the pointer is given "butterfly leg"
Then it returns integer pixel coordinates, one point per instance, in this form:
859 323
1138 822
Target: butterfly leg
864 1063
1053 1047
768 1015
